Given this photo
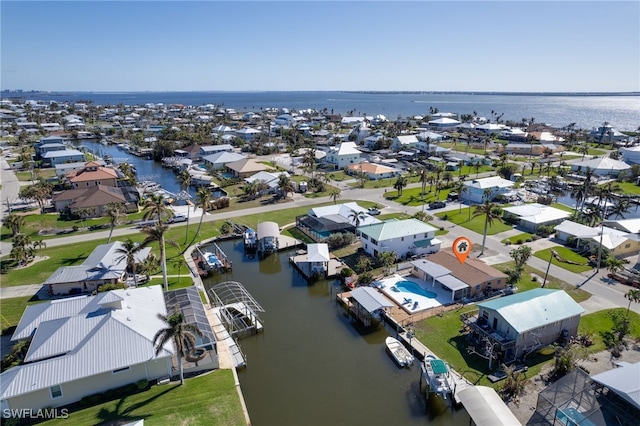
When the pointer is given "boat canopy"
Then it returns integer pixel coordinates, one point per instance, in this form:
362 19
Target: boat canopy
486 408
438 366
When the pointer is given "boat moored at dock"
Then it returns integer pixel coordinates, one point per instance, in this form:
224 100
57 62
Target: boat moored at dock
398 352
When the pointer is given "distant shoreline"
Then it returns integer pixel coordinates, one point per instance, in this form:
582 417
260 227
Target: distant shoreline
370 92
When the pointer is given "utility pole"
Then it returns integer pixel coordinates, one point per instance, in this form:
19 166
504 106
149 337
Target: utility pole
544 282
600 248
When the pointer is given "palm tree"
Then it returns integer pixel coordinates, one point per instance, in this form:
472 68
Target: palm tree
356 217
335 194
14 222
115 211
155 207
614 265
399 184
179 262
127 251
203 200
632 295
185 179
285 185
182 334
621 207
156 233
424 177
491 212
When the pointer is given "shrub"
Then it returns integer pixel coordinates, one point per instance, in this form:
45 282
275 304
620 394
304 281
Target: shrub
142 384
225 228
346 272
508 242
520 241
528 240
365 278
535 237
109 287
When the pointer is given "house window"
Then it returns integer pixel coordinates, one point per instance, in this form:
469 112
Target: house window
478 287
627 245
414 237
87 183
56 391
426 235
366 246
401 238
374 241
120 370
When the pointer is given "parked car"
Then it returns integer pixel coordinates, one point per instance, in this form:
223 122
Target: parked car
437 205
373 211
178 218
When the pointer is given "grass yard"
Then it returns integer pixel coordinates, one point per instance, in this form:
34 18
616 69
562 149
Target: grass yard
210 399
11 310
413 196
563 207
596 323
520 237
527 283
628 188
568 254
476 224
174 283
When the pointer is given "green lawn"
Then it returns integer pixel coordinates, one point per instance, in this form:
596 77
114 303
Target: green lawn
568 254
629 188
514 240
598 322
527 283
210 399
461 217
563 207
413 196
11 310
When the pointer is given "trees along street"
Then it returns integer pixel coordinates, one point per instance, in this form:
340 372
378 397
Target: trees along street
611 294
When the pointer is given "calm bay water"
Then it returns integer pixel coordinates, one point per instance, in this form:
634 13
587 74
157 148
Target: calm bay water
312 365
623 112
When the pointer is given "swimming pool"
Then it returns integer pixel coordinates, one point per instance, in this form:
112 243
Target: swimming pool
412 287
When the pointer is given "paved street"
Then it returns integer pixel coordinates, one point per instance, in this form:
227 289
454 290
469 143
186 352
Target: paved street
605 293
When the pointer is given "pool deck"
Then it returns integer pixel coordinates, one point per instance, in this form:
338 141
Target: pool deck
388 287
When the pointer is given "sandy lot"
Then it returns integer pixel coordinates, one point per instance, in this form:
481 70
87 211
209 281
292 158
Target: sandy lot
525 406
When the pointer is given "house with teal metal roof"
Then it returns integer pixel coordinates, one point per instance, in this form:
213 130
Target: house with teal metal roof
514 326
406 238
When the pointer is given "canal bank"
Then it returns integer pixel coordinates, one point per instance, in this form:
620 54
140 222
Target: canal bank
312 364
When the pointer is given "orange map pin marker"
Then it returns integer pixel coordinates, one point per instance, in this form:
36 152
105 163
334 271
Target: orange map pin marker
462 248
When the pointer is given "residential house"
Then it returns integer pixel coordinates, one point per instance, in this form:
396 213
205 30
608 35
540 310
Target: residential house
493 186
536 150
105 265
469 280
85 345
489 128
214 149
408 237
568 231
532 216
272 180
343 155
524 322
404 142
247 133
92 174
372 171
219 160
444 123
93 200
52 158
62 170
617 242
246 167
603 166
320 222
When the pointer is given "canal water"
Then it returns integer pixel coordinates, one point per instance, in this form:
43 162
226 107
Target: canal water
312 365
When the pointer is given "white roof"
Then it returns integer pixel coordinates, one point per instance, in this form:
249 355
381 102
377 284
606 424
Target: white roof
537 213
370 299
223 157
318 252
611 238
72 334
63 153
603 163
486 408
490 182
444 120
407 139
344 210
347 148
577 229
624 380
268 229
629 225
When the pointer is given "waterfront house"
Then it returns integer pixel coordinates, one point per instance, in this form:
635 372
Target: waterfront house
444 123
405 238
105 265
603 166
343 155
472 279
93 200
92 174
489 128
85 345
531 216
495 185
522 323
246 167
52 158
631 155
404 142
320 222
219 160
529 149
214 149
617 242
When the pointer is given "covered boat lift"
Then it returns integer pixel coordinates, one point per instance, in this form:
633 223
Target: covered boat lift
486 408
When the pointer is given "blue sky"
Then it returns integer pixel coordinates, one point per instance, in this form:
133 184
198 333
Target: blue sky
304 45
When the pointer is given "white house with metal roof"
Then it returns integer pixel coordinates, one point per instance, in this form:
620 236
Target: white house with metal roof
343 155
494 185
532 216
407 237
527 321
86 345
603 166
222 158
105 265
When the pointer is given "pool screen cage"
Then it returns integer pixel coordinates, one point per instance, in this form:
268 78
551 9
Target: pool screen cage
232 293
575 400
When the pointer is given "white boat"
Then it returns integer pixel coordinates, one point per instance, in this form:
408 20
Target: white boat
399 353
212 261
250 238
438 377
